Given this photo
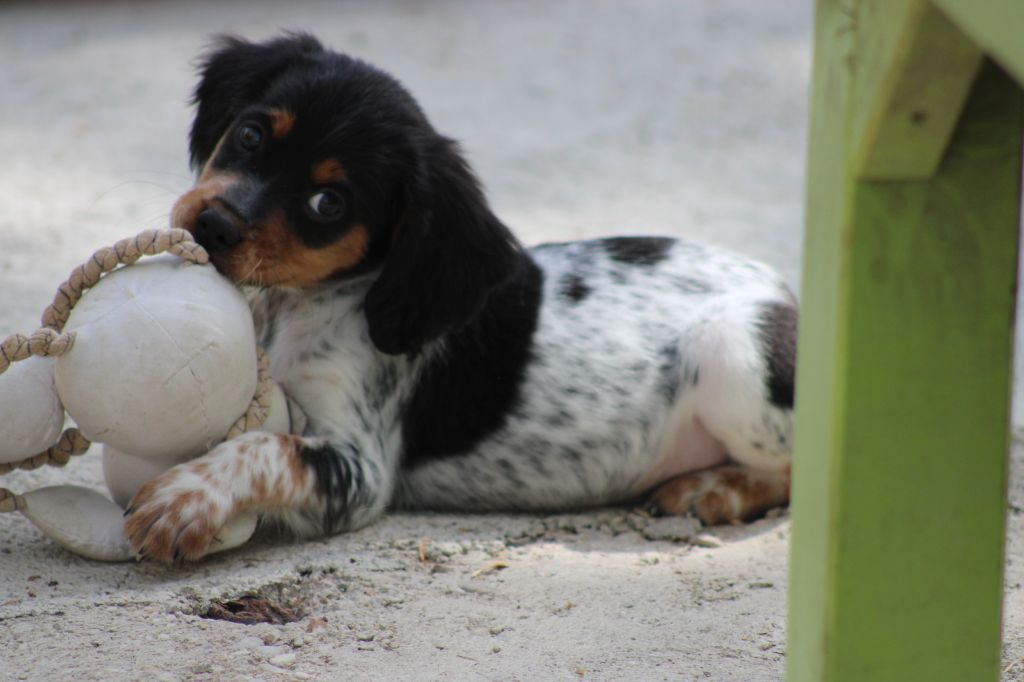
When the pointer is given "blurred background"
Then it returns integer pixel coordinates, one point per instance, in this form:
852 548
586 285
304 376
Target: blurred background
582 117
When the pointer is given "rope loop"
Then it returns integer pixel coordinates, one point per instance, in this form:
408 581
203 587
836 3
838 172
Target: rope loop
51 341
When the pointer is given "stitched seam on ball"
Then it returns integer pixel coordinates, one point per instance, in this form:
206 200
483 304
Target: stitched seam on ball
107 312
188 364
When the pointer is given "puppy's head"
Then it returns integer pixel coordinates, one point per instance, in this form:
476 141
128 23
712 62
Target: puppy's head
313 166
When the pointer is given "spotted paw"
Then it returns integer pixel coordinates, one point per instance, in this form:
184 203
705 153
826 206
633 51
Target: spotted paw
175 517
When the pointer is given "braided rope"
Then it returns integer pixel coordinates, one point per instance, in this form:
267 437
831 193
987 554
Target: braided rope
43 342
10 502
259 408
70 443
125 252
51 341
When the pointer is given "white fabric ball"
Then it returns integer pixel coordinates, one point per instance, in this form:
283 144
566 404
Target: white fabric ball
79 519
88 524
32 416
125 474
164 360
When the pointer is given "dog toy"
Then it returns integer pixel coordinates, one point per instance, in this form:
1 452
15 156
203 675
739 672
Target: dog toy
157 362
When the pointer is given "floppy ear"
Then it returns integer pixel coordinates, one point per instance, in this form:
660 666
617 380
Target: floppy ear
234 73
448 254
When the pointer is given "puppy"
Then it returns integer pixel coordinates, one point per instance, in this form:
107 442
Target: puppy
439 363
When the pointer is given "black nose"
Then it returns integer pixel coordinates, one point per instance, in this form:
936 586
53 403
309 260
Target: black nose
216 232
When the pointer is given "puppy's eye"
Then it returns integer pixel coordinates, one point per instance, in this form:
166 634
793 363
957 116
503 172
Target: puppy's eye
325 205
250 137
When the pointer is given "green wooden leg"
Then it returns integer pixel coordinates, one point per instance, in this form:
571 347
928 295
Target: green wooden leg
903 387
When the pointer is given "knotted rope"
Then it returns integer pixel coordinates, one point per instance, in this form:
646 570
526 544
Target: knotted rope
51 341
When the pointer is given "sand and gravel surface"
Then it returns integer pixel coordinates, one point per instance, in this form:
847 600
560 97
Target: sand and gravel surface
583 118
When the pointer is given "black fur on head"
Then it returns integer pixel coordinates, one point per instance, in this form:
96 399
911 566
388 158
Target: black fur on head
235 73
448 254
438 249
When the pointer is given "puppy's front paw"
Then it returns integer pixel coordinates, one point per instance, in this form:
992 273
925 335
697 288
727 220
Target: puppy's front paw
175 516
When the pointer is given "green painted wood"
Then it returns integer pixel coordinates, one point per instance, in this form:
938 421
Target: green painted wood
994 25
902 397
925 434
871 55
913 71
820 344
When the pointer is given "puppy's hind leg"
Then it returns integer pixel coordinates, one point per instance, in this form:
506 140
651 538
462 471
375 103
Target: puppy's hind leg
747 367
723 494
746 354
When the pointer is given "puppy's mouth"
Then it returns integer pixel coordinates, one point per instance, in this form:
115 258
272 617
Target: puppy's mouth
220 227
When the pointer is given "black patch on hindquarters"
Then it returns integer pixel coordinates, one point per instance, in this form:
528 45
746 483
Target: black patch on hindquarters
574 288
467 391
645 251
777 331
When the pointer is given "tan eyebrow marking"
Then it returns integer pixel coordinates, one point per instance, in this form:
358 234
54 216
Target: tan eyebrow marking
281 122
328 172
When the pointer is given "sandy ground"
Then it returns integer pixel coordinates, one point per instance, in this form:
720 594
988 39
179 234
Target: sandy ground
583 117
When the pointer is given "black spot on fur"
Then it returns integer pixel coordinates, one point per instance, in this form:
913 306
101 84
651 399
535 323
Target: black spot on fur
560 419
269 332
265 320
467 391
777 326
382 385
574 288
692 286
334 477
668 372
645 251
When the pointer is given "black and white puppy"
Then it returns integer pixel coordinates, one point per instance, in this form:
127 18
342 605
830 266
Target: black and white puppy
440 364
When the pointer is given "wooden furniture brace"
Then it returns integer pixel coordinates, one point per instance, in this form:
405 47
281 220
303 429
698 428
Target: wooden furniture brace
906 341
